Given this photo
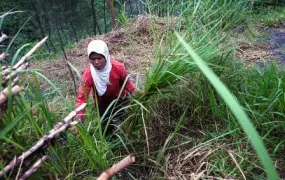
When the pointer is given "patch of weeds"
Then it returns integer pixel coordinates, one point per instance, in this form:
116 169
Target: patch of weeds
271 16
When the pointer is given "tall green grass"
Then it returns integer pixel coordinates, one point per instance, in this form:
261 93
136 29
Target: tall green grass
31 118
237 110
178 109
168 72
205 32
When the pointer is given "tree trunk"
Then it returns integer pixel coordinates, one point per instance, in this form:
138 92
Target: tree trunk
47 24
64 32
105 24
141 6
94 16
137 6
40 24
70 21
112 13
58 33
98 27
74 32
131 7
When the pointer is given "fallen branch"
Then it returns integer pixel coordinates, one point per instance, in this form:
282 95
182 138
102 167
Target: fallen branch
109 173
60 127
24 58
14 74
3 56
14 81
4 94
68 118
4 67
3 106
6 71
38 164
35 167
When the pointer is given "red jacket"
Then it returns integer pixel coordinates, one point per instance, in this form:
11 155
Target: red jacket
117 77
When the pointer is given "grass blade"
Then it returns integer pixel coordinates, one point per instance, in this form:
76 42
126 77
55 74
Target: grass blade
237 110
10 44
18 52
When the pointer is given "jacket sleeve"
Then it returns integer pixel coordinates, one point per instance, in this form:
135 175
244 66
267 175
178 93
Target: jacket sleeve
83 92
129 85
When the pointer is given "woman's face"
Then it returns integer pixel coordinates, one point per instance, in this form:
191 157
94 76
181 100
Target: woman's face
97 60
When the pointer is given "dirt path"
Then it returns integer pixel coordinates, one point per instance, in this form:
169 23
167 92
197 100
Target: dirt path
267 46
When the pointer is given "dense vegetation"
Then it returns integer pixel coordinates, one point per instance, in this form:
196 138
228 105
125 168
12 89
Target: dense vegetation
201 112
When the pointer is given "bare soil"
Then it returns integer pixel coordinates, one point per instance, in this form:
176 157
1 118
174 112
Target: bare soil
268 46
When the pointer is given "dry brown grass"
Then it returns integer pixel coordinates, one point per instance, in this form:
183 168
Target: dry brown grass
256 54
132 45
200 163
193 164
189 164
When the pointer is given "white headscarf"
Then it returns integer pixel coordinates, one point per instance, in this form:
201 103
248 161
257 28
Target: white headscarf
100 77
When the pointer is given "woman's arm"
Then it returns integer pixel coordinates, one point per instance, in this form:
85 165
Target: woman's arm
83 93
129 87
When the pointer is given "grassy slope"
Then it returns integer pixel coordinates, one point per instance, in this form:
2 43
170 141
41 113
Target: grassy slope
191 131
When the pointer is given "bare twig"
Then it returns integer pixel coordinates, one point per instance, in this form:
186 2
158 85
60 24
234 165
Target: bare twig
14 82
6 71
3 105
10 12
24 58
236 163
4 94
60 127
3 56
35 167
127 161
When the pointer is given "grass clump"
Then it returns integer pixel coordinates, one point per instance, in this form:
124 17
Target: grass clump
272 16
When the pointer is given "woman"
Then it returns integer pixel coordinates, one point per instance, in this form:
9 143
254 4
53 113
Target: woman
105 77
